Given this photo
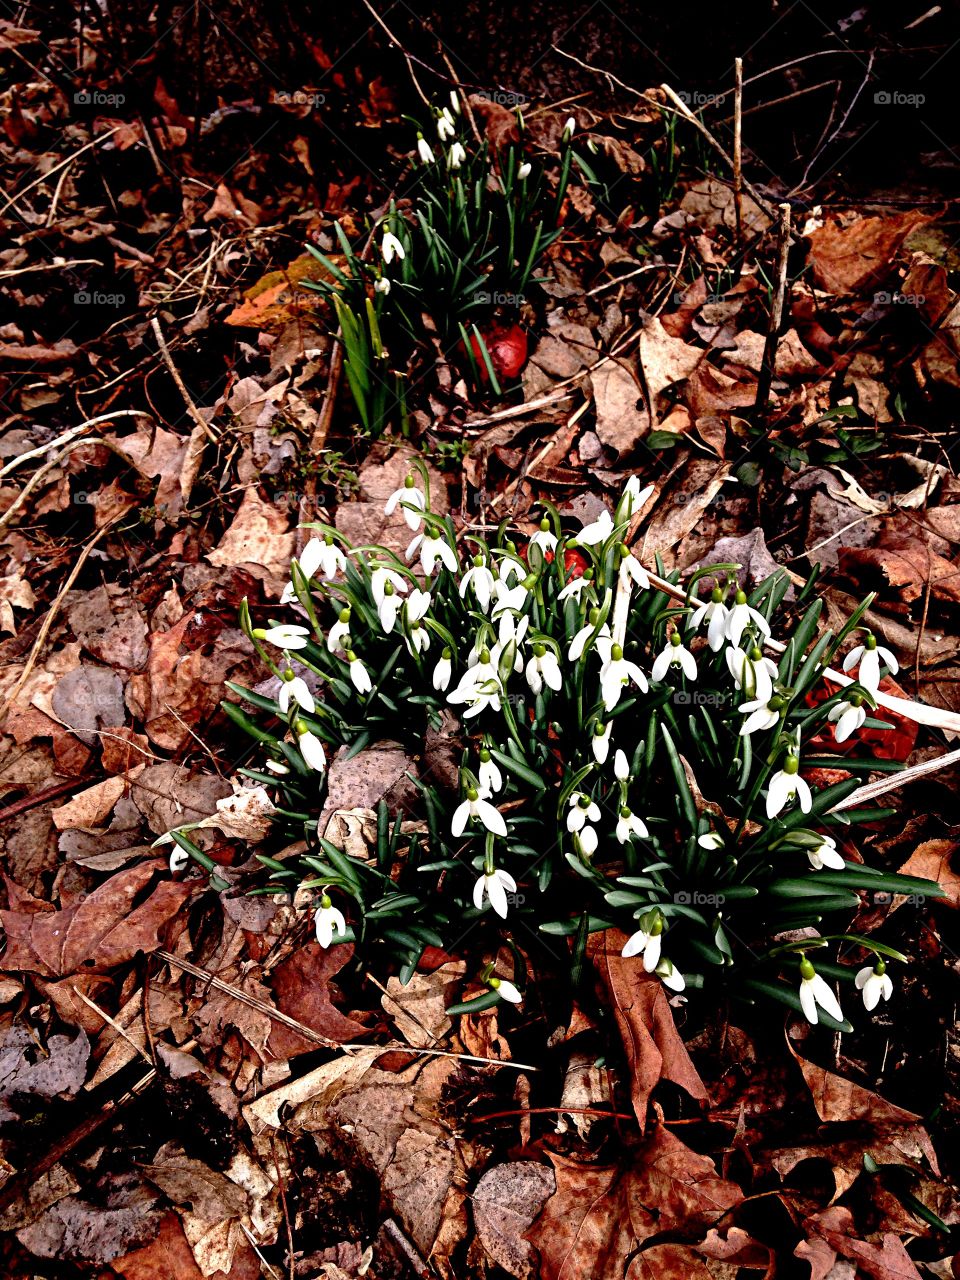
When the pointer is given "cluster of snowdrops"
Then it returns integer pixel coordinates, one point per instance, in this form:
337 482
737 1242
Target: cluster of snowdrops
624 759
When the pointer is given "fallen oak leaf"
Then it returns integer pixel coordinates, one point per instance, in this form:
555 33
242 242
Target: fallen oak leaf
651 1042
848 259
932 860
887 1260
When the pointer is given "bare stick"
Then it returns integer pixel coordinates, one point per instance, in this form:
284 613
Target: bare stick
194 412
739 145
776 315
45 177
71 435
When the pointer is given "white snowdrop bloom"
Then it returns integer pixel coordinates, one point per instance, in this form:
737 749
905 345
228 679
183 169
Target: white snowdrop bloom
632 499
415 609
785 785
588 840
388 608
476 805
646 943
600 742
621 766
488 773
319 555
433 549
631 570
714 612
670 975
379 579
446 129
284 636
509 569
869 656
581 809
419 638
311 748
524 170
579 642
874 983
443 671
481 581
569 129
359 675
328 918
847 716
544 538
339 632
455 101
382 285
274 766
761 714
507 597
411 501
456 156
179 860
674 654
591 535
742 616
391 247
510 630
494 886
814 991
293 689
629 825
543 669
575 587
479 688
616 674
505 990
752 672
424 150
710 840
826 855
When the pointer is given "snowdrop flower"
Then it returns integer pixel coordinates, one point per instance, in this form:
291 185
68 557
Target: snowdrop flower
415 609
621 766
873 982
382 285
293 688
587 841
615 674
543 669
591 535
320 554
575 587
179 860
456 155
455 101
646 943
670 975
391 247
544 538
388 608
359 675
445 126
579 641
752 672
382 578
674 654
488 773
509 568
506 597
785 785
481 580
411 502
825 855
631 570
479 687
714 612
710 840
869 655
311 748
814 991
339 633
600 743
581 810
847 716
742 616
274 766
633 499
443 671
284 636
505 990
629 825
510 631
761 713
524 170
476 805
494 886
327 919
433 548
569 128
424 150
